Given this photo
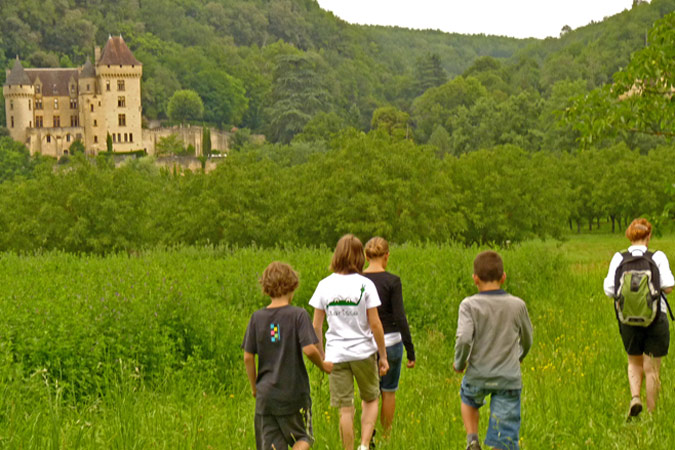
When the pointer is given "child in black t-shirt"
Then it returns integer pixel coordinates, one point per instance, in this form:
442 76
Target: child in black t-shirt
279 334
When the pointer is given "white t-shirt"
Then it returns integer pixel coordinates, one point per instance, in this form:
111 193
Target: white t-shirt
659 258
345 299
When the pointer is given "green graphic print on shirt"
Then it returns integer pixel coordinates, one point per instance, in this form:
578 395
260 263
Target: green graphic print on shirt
339 301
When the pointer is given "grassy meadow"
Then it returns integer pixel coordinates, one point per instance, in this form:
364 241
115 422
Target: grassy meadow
143 351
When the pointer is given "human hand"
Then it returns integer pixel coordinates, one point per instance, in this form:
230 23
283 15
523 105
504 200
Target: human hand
327 366
254 392
410 364
384 366
455 369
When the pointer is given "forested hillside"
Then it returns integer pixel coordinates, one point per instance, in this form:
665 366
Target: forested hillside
241 56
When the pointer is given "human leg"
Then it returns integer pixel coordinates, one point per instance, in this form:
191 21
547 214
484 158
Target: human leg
268 434
368 420
472 399
389 386
635 373
504 427
347 427
367 378
652 368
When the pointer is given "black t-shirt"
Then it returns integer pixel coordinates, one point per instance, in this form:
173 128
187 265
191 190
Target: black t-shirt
391 311
277 336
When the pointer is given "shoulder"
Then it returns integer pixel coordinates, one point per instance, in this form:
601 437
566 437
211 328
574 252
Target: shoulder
658 256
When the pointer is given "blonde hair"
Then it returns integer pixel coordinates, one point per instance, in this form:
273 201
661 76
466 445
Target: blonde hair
376 247
348 256
279 279
638 230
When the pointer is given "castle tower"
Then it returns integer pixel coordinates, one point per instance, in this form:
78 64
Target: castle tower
90 111
119 78
19 94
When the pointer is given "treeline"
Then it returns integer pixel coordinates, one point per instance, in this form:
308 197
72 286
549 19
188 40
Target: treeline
274 66
311 194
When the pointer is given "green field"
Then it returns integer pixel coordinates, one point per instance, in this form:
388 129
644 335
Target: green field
142 351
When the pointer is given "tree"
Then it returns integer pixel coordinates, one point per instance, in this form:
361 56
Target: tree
641 98
184 105
392 121
14 159
76 147
429 72
170 145
109 143
206 142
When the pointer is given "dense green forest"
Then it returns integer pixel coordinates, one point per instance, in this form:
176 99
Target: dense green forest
414 135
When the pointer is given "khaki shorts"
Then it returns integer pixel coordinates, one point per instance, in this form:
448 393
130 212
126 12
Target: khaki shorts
341 380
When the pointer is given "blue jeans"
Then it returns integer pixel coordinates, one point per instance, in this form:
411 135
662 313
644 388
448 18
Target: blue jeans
389 382
504 427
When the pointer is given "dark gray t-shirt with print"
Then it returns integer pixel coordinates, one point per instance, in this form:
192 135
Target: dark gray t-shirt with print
277 336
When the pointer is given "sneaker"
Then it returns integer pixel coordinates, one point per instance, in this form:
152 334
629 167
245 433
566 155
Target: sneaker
372 441
474 445
635 408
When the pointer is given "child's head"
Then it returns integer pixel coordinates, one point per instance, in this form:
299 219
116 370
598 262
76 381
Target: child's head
348 256
279 279
639 230
488 266
376 247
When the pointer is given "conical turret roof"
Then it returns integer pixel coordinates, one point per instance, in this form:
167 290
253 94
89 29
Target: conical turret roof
88 70
17 75
116 52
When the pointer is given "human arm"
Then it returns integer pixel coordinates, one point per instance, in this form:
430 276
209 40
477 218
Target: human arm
665 274
313 353
463 337
525 333
317 323
249 362
378 334
398 311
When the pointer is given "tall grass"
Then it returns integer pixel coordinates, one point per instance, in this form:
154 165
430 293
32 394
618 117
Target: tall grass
143 351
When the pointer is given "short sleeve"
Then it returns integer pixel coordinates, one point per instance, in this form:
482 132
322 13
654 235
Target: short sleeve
317 298
665 273
372 298
250 343
608 284
306 334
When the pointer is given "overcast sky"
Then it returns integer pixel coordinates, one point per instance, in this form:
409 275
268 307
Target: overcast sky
516 18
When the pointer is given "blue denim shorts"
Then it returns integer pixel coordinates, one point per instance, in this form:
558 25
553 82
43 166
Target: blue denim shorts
389 382
504 427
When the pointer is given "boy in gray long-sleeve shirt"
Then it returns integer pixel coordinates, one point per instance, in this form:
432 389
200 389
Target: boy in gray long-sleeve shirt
494 333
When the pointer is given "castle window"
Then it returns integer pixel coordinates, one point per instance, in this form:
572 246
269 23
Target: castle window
119 137
67 137
126 137
95 139
120 85
37 89
72 89
131 137
114 136
49 138
73 103
95 122
30 104
121 102
30 124
11 105
38 103
38 121
91 108
88 87
74 121
56 103
57 121
122 120
107 85
12 122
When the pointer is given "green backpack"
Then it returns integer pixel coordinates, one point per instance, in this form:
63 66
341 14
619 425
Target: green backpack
638 290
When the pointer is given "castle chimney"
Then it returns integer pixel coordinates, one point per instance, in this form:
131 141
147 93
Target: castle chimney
97 54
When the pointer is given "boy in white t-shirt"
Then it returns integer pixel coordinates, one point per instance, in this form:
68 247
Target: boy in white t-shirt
354 338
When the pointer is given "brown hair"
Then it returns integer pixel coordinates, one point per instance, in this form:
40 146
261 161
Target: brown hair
488 266
279 279
376 247
639 230
348 256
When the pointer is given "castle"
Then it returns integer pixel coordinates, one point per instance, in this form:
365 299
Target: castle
48 109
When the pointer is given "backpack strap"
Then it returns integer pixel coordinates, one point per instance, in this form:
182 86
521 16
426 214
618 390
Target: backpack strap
670 311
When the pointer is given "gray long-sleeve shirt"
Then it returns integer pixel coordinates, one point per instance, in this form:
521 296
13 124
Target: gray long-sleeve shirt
494 333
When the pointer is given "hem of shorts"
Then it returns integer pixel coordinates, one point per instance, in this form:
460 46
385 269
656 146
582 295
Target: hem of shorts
389 390
498 445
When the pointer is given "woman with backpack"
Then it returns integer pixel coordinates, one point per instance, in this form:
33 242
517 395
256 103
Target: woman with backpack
637 279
